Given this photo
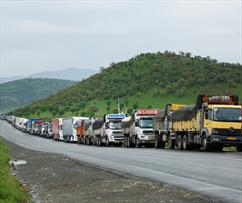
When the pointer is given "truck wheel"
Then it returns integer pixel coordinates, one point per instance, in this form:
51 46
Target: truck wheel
219 148
163 144
171 142
239 148
125 142
131 142
87 141
137 144
65 139
78 140
205 145
99 142
157 141
128 142
107 142
180 142
185 142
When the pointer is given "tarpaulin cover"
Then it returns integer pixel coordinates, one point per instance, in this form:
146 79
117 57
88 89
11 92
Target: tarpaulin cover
98 123
188 112
160 115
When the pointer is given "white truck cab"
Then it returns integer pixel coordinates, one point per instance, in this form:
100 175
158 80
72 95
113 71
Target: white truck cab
112 128
141 129
107 130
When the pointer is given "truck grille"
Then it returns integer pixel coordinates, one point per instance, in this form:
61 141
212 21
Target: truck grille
148 132
230 131
116 132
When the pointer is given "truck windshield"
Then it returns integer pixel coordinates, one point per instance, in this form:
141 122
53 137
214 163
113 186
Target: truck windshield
146 122
227 114
115 125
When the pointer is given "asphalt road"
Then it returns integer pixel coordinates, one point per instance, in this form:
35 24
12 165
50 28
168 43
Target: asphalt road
214 174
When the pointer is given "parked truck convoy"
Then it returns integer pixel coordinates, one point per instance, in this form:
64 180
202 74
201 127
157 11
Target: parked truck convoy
107 130
210 124
138 130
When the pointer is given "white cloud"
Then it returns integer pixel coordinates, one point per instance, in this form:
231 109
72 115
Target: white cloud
92 34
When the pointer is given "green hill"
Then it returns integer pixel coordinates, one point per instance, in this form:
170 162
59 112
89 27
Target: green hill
148 80
22 92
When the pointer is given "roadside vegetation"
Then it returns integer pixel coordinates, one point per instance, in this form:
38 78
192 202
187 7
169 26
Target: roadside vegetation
148 80
11 190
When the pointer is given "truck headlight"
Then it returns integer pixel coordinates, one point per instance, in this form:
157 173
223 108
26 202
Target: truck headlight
215 139
215 131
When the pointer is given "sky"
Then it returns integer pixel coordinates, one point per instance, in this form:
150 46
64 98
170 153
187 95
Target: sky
51 35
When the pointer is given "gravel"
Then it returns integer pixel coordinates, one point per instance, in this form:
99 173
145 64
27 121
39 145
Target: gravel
55 178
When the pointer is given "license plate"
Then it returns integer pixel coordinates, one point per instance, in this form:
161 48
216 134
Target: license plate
231 138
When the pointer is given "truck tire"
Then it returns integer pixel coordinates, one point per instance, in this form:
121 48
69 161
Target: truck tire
107 142
163 145
65 139
205 145
185 142
125 142
171 142
219 148
137 144
87 141
128 142
239 148
180 142
99 142
78 140
158 141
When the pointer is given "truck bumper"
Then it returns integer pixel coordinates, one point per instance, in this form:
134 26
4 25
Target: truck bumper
147 141
225 140
116 141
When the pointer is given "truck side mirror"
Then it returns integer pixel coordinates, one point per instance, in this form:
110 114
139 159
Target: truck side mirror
136 123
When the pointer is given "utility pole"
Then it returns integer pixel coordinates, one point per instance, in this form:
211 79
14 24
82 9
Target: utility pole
118 106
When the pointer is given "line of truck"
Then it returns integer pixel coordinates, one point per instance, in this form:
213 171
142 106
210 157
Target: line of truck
210 124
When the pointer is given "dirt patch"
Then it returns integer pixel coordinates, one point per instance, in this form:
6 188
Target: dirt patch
55 178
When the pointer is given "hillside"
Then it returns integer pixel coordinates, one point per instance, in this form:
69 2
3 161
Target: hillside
22 92
148 80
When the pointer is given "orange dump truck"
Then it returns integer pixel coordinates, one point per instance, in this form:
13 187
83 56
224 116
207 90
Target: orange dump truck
82 132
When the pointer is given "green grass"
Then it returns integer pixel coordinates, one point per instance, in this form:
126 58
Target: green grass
11 190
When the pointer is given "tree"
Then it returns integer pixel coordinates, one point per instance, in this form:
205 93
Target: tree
115 110
129 111
135 105
93 109
180 92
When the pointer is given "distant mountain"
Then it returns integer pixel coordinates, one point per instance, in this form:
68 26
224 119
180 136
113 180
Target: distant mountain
75 74
9 79
149 80
22 92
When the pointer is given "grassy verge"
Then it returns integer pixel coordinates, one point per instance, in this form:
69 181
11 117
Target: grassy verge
11 190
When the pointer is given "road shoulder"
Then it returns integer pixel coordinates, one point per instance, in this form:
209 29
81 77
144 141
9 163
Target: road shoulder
55 178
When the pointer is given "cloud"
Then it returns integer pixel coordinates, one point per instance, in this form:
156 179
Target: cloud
52 34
